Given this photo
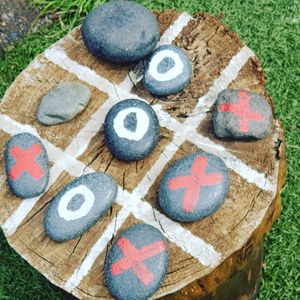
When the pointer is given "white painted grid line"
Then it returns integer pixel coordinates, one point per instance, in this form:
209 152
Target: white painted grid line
167 38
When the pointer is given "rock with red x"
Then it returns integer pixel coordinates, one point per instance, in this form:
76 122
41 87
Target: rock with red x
137 263
194 187
240 114
27 165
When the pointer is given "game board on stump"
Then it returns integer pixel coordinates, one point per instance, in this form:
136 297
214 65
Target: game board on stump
219 257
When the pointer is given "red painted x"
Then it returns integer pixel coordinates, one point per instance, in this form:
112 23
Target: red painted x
242 110
25 161
133 259
193 183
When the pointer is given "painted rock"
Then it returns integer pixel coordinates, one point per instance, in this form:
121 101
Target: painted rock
239 114
131 129
169 71
79 205
63 103
27 165
120 31
194 187
137 263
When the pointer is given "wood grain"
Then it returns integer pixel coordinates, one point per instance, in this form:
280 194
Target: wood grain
236 230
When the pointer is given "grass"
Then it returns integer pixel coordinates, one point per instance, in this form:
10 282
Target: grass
272 29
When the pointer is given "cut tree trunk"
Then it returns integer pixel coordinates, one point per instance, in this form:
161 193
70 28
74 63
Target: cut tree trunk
219 257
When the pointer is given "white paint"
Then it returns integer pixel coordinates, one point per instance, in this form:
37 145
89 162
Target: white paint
204 143
142 124
195 246
183 238
172 73
57 55
229 74
83 269
167 38
174 30
85 208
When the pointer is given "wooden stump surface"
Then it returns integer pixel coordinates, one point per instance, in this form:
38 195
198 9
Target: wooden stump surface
203 254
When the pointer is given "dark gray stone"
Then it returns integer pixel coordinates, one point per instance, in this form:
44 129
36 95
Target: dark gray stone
120 31
27 166
194 187
79 205
239 114
169 71
137 263
131 129
63 103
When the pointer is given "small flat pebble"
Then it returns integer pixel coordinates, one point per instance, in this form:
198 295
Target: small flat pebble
194 187
137 263
131 129
120 31
240 114
27 165
63 103
79 205
169 71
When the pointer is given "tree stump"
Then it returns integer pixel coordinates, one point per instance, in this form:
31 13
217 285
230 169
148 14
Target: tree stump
219 257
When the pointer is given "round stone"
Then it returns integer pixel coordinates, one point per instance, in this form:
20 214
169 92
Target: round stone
240 114
27 165
194 187
120 31
137 263
79 205
169 71
131 129
63 103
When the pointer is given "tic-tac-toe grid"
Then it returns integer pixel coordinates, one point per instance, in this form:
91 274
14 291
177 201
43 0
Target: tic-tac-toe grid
132 202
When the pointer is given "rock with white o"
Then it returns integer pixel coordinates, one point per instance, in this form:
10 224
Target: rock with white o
79 205
240 114
131 129
169 71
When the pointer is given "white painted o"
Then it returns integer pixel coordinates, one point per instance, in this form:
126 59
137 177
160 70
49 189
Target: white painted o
175 71
142 124
89 199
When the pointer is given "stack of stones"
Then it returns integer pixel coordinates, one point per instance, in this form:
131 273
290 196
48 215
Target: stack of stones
138 260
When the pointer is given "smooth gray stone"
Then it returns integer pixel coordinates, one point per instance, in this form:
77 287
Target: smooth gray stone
146 252
79 205
27 165
194 187
120 31
63 103
122 126
240 114
168 71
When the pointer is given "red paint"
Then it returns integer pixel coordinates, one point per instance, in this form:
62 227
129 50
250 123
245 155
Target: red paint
133 259
194 182
25 161
242 110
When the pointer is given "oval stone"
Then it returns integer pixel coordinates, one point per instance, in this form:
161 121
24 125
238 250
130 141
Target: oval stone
131 129
137 263
120 31
27 165
240 114
194 187
79 205
63 103
169 71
